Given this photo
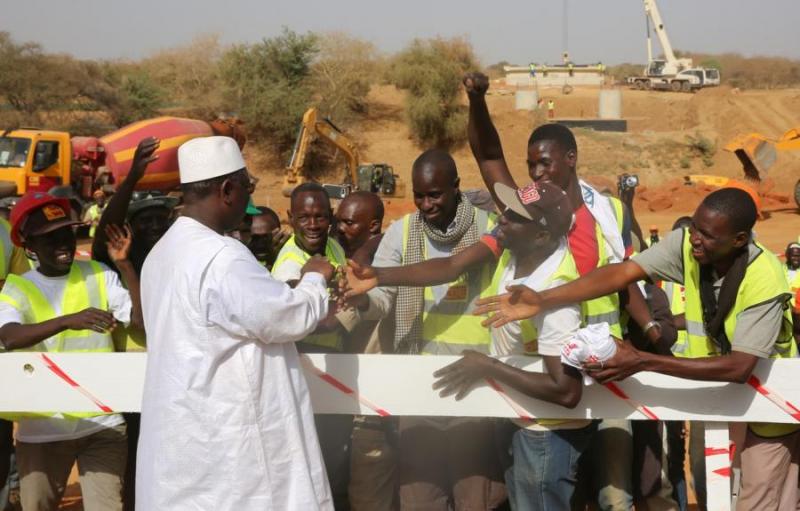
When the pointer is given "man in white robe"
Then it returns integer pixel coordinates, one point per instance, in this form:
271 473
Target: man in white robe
226 417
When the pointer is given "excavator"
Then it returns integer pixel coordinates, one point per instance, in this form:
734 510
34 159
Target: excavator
758 153
374 177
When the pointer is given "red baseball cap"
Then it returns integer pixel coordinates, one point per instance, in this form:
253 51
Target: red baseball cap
39 213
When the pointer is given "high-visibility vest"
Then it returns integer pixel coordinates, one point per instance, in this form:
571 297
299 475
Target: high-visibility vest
567 271
86 287
606 308
6 248
677 305
448 326
334 253
794 284
763 281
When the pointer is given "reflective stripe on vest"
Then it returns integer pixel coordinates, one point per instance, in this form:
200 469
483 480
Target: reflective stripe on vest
567 271
334 253
85 288
448 327
677 306
6 248
606 308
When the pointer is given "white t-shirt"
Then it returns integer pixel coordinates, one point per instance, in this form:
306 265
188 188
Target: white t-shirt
57 428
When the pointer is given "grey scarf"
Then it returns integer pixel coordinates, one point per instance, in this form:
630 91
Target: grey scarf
410 300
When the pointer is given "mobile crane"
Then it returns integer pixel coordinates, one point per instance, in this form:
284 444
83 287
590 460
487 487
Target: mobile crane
669 73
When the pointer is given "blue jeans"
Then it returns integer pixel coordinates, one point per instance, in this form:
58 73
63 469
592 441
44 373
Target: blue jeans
545 467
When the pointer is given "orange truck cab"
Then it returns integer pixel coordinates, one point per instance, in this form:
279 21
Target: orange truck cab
34 160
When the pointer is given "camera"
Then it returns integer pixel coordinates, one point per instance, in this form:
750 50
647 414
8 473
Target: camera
337 192
627 182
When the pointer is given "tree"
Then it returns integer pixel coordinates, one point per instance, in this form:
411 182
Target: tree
124 91
342 75
32 81
268 84
431 72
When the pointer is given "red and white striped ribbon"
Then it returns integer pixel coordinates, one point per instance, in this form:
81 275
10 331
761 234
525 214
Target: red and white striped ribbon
64 376
776 398
614 388
341 387
518 409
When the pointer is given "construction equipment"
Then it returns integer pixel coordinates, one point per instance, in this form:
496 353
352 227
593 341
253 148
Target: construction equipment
758 153
33 159
374 177
669 73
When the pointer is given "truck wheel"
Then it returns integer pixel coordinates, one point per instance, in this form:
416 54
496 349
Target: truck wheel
640 84
686 87
648 85
675 86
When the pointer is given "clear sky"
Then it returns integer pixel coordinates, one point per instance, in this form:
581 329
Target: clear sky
611 31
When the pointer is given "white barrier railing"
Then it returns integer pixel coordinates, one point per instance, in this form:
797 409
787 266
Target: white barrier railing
401 385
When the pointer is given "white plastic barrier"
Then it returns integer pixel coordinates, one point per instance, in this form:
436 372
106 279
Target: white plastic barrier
401 385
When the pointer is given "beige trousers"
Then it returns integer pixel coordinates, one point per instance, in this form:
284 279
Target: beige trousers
44 469
770 473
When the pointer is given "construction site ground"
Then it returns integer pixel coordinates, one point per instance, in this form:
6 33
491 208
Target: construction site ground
658 148
666 132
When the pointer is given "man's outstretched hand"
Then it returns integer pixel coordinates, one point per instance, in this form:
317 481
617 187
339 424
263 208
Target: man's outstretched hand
521 302
459 377
476 84
359 279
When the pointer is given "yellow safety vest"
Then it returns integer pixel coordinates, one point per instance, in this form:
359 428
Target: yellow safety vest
334 253
606 308
794 284
448 327
677 305
6 248
86 287
567 271
763 281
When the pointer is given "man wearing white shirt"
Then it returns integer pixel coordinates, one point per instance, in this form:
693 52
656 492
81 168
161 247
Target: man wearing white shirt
226 417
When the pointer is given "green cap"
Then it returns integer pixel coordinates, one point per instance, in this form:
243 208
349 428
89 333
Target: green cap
251 209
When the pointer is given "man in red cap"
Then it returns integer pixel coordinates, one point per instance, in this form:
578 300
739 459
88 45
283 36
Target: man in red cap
67 305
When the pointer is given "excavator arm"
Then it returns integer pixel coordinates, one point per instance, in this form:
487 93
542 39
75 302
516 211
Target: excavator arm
311 129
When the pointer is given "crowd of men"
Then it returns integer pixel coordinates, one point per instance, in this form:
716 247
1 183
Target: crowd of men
227 302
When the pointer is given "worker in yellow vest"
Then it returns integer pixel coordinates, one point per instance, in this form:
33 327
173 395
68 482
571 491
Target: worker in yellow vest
529 246
599 236
95 211
737 312
792 267
441 459
310 216
66 305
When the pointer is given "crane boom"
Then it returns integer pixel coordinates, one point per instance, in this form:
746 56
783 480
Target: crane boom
651 9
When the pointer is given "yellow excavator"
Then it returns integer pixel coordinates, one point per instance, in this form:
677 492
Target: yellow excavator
374 177
758 153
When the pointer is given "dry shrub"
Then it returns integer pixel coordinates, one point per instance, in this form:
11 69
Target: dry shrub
431 71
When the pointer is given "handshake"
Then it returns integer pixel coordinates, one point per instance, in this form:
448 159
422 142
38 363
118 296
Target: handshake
348 284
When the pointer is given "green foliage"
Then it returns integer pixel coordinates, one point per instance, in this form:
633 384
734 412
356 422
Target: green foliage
711 63
621 72
431 71
268 85
496 70
703 147
124 91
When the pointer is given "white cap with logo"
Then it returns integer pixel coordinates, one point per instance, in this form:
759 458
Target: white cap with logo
208 157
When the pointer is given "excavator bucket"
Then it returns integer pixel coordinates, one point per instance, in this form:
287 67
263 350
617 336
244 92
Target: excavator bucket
756 152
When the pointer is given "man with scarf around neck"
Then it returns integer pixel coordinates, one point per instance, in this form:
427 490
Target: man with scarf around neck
736 313
529 246
599 236
442 460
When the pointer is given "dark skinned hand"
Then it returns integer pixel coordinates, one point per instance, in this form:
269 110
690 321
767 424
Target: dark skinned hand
459 377
625 362
520 302
90 319
144 156
476 84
